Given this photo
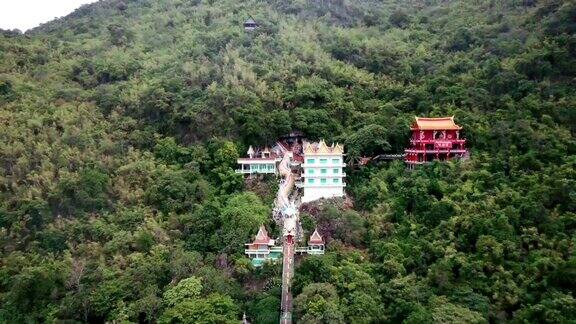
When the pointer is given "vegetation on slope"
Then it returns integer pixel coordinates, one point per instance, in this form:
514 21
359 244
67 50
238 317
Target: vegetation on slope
121 124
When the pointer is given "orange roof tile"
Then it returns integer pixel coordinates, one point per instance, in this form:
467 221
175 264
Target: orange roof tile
315 238
441 123
262 236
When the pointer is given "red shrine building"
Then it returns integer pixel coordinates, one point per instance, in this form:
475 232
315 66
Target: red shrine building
435 139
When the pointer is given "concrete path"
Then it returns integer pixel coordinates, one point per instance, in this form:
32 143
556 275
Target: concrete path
287 275
289 231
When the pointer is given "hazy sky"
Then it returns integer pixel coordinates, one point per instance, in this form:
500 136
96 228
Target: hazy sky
26 14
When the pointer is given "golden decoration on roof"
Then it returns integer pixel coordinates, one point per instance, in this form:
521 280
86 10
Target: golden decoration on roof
440 123
322 148
308 149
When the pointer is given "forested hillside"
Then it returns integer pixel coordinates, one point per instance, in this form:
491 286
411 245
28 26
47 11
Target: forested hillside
121 124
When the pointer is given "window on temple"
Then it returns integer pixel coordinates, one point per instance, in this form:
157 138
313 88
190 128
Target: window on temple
323 181
335 180
335 161
311 181
335 171
323 161
323 171
310 171
310 161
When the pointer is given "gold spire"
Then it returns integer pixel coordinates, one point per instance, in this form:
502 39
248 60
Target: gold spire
308 148
339 149
322 148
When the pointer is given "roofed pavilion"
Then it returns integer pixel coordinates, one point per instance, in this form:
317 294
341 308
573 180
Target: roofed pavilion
435 139
262 248
316 243
250 24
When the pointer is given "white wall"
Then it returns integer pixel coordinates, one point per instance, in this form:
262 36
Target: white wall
317 190
314 193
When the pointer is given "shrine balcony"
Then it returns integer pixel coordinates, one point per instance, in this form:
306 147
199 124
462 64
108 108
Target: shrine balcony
435 151
432 141
257 252
248 171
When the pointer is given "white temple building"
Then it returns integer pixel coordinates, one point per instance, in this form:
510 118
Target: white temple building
259 161
323 171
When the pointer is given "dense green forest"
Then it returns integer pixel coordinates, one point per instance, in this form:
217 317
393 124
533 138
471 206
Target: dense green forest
121 124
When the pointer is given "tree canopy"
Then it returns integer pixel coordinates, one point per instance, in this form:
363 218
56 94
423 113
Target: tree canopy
121 124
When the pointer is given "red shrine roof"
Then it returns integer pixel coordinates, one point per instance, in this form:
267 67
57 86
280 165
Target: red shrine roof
315 238
262 237
442 123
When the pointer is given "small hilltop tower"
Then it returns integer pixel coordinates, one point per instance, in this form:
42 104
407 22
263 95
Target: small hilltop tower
250 24
435 139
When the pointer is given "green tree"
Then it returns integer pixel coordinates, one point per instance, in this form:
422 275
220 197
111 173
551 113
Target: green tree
367 141
445 312
318 303
214 308
399 18
241 217
189 288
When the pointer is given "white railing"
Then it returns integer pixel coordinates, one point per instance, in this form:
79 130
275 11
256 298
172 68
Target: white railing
435 151
256 251
326 165
254 171
325 175
308 250
432 141
320 185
